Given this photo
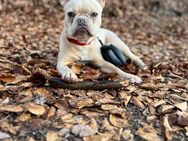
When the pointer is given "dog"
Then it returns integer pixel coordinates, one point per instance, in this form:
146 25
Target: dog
79 40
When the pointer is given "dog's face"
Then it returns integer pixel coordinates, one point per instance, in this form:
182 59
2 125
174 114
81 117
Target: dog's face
82 17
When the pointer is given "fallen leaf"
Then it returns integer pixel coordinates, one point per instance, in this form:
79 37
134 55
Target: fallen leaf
151 86
2 88
52 136
7 78
106 125
51 112
10 128
151 119
159 103
168 129
109 107
68 118
84 103
118 121
166 109
125 97
100 137
24 117
181 106
148 133
137 102
30 139
94 125
76 68
11 108
35 109
127 135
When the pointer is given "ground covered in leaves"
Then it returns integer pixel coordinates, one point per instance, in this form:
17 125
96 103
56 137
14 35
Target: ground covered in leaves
155 110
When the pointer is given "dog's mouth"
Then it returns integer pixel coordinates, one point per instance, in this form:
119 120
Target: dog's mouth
82 32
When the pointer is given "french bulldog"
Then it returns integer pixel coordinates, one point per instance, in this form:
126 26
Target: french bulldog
79 40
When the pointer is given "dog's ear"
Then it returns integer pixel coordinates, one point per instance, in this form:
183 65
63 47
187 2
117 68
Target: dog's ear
102 2
63 2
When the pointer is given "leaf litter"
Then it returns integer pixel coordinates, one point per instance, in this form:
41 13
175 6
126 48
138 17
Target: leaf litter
156 109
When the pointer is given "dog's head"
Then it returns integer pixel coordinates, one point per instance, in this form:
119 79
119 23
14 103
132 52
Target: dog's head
82 17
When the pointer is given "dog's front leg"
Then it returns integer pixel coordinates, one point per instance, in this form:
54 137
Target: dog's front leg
67 74
116 41
62 66
110 68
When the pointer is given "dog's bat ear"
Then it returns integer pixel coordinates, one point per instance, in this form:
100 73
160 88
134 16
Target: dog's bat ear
63 2
102 2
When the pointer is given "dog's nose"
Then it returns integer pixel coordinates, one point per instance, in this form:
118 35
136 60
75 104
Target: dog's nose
81 22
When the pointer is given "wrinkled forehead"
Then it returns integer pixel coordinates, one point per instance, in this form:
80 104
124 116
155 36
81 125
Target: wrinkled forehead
83 6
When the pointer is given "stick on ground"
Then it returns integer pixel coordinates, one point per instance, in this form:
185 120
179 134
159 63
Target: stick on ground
86 85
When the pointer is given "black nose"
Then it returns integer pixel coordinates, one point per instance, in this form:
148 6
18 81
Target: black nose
81 22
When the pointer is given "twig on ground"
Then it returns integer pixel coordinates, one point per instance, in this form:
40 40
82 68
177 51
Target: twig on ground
87 85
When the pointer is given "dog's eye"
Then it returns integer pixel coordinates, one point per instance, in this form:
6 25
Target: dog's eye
94 14
71 14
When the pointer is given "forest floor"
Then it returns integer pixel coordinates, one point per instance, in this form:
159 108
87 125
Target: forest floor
30 109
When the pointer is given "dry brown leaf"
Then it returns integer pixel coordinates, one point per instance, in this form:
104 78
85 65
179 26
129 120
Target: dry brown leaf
131 89
51 112
181 106
151 119
118 121
148 133
42 91
76 69
158 94
137 102
107 126
10 128
67 116
2 88
94 125
82 120
88 102
52 136
168 130
177 97
183 118
104 99
35 109
151 86
68 119
159 103
127 135
7 78
100 137
11 108
166 109
30 139
109 107
24 117
91 114
4 101
151 110
125 97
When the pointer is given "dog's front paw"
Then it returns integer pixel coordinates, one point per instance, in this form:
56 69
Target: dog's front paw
132 78
69 77
135 79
